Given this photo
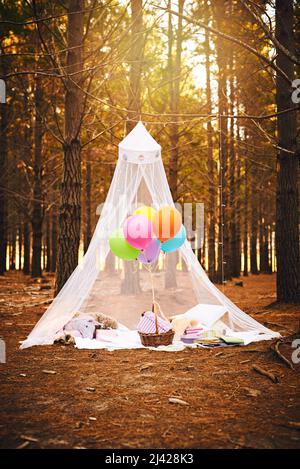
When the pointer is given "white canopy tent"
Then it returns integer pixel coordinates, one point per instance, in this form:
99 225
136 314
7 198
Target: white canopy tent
96 283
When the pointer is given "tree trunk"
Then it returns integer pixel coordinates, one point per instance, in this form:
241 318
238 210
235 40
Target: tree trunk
70 209
269 237
287 200
48 243
3 174
20 245
53 241
210 165
223 246
174 96
110 263
237 210
131 284
88 225
174 77
37 209
246 212
170 275
12 261
254 228
271 255
110 258
232 258
26 237
263 238
136 58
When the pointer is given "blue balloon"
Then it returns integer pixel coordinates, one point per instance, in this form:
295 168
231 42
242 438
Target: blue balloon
175 243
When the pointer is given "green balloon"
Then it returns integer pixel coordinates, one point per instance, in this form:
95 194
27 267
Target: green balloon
121 248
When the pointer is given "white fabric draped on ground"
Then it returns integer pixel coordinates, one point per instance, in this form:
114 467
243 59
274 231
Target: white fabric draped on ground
96 284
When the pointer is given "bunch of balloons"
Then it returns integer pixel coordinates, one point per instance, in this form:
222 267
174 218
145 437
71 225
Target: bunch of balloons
147 232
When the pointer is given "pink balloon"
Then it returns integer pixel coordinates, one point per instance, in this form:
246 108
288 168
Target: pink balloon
138 231
151 253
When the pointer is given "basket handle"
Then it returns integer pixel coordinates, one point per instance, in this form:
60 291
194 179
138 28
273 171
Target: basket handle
155 315
160 310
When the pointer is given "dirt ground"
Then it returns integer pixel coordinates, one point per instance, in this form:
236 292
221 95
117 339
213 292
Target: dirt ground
60 397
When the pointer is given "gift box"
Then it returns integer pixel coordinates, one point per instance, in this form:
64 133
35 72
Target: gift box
189 338
193 331
147 324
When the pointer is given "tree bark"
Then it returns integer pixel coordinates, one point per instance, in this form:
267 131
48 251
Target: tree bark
3 174
131 284
26 237
254 224
13 241
20 245
70 208
174 69
222 62
287 200
246 212
37 209
263 238
53 241
237 209
88 224
174 95
210 164
232 261
136 58
48 243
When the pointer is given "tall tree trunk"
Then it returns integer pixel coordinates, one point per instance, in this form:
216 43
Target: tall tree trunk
37 209
232 258
13 241
131 284
254 224
287 201
222 62
269 237
174 95
70 209
53 240
210 164
26 237
20 244
110 258
3 174
263 237
48 243
237 209
88 225
246 213
136 58
271 255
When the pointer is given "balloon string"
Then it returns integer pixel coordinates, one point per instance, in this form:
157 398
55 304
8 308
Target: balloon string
149 268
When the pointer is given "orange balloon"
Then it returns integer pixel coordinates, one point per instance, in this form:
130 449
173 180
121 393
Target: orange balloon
166 222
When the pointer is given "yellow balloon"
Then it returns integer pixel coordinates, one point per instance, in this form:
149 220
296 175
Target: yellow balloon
148 212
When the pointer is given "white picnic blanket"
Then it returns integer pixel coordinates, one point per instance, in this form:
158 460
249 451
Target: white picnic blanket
124 339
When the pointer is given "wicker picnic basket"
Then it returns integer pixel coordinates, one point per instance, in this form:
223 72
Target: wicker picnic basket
158 338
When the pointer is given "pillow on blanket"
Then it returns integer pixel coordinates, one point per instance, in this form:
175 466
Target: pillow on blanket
84 328
103 321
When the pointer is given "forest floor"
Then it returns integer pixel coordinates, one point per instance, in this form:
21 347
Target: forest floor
61 397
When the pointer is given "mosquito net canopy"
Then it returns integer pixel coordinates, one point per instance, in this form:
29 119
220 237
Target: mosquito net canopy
123 290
